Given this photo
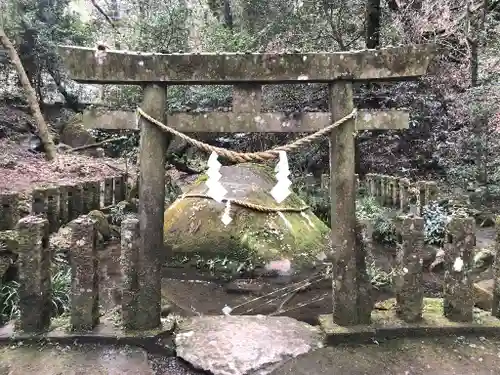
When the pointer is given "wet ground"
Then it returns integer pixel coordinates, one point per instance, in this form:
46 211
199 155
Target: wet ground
190 293
446 356
87 360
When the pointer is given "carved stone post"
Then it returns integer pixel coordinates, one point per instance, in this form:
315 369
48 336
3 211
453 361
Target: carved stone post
108 192
459 260
153 148
120 188
409 270
9 210
34 274
129 261
495 311
346 271
404 192
53 208
84 275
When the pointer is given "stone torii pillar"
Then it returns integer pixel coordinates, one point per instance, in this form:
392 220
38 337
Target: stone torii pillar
247 72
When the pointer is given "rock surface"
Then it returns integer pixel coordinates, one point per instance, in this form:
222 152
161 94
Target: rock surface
239 345
193 225
483 294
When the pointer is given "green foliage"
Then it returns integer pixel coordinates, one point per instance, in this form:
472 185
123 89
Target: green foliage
384 230
379 278
60 299
316 198
435 220
9 301
217 38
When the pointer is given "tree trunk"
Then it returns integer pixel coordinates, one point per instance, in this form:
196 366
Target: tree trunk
43 130
372 41
228 15
372 28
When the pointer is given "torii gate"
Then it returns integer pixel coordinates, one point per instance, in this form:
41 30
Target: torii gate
247 72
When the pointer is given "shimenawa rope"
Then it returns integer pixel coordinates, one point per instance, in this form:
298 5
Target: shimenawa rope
241 157
252 206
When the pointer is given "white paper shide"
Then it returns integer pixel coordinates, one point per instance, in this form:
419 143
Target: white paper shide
215 189
282 188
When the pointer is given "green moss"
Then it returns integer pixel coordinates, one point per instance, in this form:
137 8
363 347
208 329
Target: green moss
9 239
201 178
385 316
193 227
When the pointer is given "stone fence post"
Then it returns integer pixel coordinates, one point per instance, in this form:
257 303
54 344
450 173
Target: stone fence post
458 300
404 195
108 192
129 261
91 196
120 188
46 201
9 210
409 268
34 274
84 275
495 305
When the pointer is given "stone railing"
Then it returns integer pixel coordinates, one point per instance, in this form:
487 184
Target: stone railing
64 202
35 275
400 193
458 295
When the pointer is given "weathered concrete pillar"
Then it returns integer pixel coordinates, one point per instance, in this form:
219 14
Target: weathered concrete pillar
53 208
153 148
389 191
378 187
108 191
120 188
64 203
91 196
347 257
9 210
34 274
459 259
408 276
76 206
84 275
368 184
431 191
395 192
420 196
383 190
39 201
367 236
404 192
133 279
495 306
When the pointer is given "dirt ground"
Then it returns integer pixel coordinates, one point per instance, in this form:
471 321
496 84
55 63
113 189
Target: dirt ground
21 169
445 356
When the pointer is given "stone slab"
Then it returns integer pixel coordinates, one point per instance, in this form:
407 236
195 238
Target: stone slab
88 65
228 122
239 345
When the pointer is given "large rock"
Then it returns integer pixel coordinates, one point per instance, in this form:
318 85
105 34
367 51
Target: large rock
285 241
483 294
239 345
74 134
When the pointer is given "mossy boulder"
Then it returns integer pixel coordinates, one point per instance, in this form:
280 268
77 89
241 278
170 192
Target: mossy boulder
193 226
74 134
